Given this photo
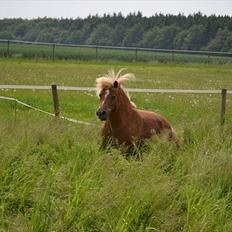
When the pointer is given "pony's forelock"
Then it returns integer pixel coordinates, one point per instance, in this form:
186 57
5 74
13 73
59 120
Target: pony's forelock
107 81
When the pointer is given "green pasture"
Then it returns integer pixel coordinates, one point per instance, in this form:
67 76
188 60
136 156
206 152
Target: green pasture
53 177
18 50
72 73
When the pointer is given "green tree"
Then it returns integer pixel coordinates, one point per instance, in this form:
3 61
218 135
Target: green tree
6 35
46 37
151 39
102 35
21 30
160 37
195 38
227 47
74 37
179 39
167 36
31 35
221 42
118 35
133 35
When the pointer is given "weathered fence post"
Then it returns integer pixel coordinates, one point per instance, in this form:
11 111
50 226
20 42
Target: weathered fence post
172 56
96 53
208 58
136 54
53 51
223 106
8 48
55 100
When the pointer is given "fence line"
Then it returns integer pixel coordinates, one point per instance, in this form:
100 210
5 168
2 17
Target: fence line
56 102
51 53
45 112
135 90
121 48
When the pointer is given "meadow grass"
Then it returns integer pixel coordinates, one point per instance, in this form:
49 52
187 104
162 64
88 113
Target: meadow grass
77 73
53 177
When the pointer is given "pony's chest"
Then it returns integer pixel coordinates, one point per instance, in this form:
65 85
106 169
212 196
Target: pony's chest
126 133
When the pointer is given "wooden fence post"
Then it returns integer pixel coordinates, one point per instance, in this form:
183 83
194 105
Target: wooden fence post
8 48
96 53
208 58
172 56
223 106
136 54
53 51
55 100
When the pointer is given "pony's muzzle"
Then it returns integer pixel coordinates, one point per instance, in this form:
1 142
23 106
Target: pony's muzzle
102 114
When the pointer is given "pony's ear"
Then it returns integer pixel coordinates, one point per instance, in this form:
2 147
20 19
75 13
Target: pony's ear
115 84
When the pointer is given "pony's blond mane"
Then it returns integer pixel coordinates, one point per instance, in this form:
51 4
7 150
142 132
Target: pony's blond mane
107 81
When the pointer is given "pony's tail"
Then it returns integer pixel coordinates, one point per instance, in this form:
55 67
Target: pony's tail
173 137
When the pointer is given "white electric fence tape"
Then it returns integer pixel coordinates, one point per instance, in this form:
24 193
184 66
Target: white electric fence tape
45 112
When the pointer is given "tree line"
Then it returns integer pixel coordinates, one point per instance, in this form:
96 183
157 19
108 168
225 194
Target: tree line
192 32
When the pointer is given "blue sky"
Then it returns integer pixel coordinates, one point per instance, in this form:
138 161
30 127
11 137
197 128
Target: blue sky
78 8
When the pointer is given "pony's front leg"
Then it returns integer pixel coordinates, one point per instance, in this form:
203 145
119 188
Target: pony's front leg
107 140
106 143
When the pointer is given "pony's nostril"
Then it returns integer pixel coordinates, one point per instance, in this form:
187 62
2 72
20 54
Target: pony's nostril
102 114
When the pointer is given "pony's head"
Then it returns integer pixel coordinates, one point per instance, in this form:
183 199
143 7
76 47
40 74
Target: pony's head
111 94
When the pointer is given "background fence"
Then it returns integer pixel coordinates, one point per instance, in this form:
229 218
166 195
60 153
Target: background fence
26 49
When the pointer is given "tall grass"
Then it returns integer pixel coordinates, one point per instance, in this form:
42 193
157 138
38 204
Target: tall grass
53 177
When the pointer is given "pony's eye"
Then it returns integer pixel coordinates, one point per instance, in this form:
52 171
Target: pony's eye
113 97
100 95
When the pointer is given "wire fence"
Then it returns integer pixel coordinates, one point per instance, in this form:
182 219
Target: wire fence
135 90
27 49
56 113
45 112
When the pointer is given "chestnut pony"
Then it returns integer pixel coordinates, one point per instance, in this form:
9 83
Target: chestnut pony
124 123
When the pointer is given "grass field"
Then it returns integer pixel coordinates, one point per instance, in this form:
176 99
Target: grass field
54 178
77 73
87 54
